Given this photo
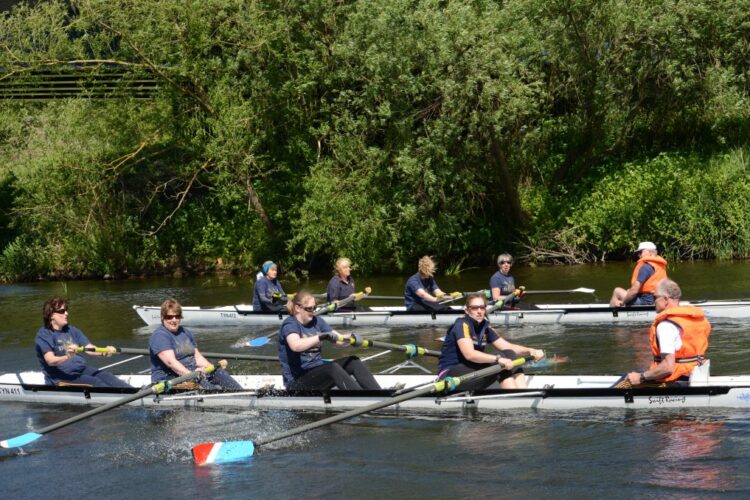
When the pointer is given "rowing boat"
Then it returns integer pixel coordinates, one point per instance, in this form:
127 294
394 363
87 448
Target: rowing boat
266 392
243 314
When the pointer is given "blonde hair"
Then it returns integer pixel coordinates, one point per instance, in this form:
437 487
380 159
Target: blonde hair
297 300
341 262
170 305
427 266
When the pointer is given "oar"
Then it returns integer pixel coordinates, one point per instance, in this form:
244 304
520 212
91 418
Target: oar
500 303
214 355
157 388
232 451
574 290
411 350
324 309
336 304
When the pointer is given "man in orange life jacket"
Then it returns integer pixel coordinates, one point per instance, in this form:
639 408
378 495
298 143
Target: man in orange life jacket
649 270
678 337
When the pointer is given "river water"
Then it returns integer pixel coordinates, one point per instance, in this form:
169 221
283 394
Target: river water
133 453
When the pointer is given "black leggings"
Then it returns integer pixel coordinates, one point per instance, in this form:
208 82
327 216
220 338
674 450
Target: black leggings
96 378
429 307
338 373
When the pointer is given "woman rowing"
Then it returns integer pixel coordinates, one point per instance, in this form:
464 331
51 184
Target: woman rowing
174 353
57 347
341 286
302 365
268 295
463 350
421 292
502 283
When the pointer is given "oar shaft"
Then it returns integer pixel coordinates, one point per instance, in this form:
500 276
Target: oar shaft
215 355
153 389
357 341
547 292
334 305
436 387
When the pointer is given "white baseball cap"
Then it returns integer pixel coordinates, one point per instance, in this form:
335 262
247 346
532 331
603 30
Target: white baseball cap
645 245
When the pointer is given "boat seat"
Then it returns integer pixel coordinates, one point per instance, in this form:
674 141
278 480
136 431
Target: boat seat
62 383
700 374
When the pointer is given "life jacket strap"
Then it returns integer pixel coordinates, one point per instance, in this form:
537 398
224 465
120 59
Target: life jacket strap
693 359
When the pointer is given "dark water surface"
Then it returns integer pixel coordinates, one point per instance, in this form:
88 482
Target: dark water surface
134 453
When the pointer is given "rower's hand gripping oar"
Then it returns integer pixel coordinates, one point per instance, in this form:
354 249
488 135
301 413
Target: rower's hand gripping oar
323 309
451 297
356 340
518 292
157 388
232 451
336 304
213 355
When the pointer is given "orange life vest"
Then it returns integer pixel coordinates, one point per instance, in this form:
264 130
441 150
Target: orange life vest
694 332
660 272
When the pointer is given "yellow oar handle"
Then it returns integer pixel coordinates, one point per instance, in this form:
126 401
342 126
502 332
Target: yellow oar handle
101 350
361 295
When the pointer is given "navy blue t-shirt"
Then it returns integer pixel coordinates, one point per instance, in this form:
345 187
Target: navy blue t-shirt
338 290
413 284
480 334
182 343
56 342
263 294
295 364
644 273
506 284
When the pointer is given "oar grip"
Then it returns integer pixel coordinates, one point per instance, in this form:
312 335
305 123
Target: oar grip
357 340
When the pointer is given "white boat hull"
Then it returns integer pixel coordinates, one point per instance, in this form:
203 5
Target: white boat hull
397 316
544 392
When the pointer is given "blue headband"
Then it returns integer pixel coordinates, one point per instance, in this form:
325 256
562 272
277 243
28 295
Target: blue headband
267 266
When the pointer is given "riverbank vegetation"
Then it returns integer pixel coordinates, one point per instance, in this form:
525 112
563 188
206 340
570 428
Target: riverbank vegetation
563 130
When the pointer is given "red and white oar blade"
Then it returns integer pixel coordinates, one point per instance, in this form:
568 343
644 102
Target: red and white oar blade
222 452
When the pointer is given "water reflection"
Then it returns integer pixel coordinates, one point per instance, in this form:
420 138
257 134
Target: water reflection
685 452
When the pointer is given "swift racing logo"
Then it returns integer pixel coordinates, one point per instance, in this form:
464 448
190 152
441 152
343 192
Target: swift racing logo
666 400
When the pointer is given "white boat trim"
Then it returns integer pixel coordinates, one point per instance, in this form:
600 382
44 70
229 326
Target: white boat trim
243 314
555 392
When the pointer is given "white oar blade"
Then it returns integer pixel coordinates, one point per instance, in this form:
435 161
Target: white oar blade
259 342
222 452
19 441
584 290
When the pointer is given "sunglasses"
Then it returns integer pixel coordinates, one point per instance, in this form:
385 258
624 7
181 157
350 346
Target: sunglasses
505 262
308 308
62 310
173 316
476 308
